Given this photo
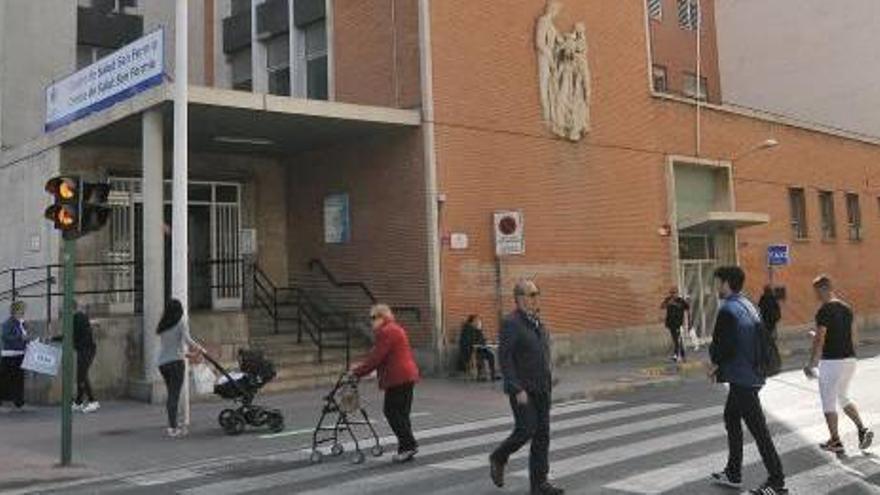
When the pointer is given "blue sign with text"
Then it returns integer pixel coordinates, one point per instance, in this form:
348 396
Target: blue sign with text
778 255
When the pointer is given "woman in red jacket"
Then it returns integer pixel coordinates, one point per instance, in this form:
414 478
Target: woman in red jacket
398 373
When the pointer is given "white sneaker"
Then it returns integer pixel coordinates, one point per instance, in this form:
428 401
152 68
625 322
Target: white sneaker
404 456
77 407
91 407
173 432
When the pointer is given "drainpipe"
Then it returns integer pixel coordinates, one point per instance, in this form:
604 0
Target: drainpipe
431 205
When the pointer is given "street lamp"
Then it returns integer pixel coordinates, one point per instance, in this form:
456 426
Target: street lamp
763 145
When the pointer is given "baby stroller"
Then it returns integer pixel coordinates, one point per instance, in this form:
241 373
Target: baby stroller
241 387
343 401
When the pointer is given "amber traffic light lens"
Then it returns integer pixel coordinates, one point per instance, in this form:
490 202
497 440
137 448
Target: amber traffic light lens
66 189
65 218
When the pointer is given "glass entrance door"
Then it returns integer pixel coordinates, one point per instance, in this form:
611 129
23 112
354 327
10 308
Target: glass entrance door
213 223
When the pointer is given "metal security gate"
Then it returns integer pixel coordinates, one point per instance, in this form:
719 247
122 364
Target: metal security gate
221 199
697 268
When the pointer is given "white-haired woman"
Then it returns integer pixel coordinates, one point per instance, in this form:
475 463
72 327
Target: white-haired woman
392 358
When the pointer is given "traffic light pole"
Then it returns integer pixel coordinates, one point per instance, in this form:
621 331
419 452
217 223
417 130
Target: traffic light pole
69 255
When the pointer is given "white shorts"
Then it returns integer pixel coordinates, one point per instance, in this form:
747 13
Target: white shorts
835 376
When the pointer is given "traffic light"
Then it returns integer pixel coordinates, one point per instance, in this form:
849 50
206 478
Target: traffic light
79 207
94 211
65 211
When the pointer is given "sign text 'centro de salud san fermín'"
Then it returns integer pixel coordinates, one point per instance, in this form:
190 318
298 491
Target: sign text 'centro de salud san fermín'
124 73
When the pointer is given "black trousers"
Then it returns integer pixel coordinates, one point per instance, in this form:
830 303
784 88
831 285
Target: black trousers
677 341
397 408
172 373
532 423
12 380
84 360
743 404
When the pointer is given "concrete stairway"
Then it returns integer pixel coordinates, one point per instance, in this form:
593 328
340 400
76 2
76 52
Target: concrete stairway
297 363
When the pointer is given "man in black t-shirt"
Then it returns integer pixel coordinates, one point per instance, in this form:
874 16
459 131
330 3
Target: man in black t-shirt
834 340
677 308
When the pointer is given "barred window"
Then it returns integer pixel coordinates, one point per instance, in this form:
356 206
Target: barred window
655 9
854 217
688 14
826 207
798 203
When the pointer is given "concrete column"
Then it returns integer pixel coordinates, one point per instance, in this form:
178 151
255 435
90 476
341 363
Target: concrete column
259 55
154 241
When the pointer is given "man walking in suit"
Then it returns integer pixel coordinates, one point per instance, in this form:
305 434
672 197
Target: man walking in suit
524 352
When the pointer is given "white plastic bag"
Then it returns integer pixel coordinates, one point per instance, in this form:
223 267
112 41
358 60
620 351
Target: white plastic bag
203 379
41 358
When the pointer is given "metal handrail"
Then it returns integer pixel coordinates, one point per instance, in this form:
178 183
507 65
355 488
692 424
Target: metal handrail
322 267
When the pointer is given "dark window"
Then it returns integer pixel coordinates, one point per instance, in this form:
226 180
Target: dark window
278 65
854 217
227 194
316 60
658 76
826 207
798 204
200 192
240 6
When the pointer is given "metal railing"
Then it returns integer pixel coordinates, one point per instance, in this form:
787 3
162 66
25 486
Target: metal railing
308 317
316 264
44 282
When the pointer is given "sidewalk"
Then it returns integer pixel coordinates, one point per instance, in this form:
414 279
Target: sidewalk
128 437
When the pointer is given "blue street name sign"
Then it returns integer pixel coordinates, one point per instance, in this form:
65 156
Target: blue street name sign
778 255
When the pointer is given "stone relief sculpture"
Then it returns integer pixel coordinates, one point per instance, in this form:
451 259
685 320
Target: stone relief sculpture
563 75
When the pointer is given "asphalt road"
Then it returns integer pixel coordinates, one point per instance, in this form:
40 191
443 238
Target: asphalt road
656 441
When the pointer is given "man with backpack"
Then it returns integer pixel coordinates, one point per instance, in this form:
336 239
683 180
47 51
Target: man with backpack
743 355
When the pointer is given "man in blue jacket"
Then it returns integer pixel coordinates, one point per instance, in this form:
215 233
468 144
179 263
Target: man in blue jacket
13 334
524 352
734 358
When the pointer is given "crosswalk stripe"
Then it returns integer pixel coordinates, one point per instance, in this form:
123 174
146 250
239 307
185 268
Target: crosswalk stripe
485 439
316 472
578 464
162 478
829 477
669 477
268 481
384 481
488 423
565 442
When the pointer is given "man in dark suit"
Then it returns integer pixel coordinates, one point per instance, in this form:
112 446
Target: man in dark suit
524 352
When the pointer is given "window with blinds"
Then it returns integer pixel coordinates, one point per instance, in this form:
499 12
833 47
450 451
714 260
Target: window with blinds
798 204
655 9
688 14
854 216
826 207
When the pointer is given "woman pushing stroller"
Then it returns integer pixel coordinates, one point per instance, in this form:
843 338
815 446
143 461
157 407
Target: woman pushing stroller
392 358
175 342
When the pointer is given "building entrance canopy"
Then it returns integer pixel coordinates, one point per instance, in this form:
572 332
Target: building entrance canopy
226 121
718 221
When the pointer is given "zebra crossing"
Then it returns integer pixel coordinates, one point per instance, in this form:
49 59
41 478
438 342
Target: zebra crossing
597 447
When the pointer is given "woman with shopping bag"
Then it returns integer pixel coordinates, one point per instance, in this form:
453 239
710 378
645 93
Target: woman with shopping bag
174 347
13 337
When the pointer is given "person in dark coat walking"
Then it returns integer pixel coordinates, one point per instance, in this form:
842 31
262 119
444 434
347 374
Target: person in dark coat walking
771 312
526 367
14 335
734 358
86 349
677 309
391 357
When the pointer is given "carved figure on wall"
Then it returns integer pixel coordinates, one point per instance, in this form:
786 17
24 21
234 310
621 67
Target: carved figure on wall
564 76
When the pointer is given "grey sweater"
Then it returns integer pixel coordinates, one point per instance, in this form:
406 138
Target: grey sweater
173 343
